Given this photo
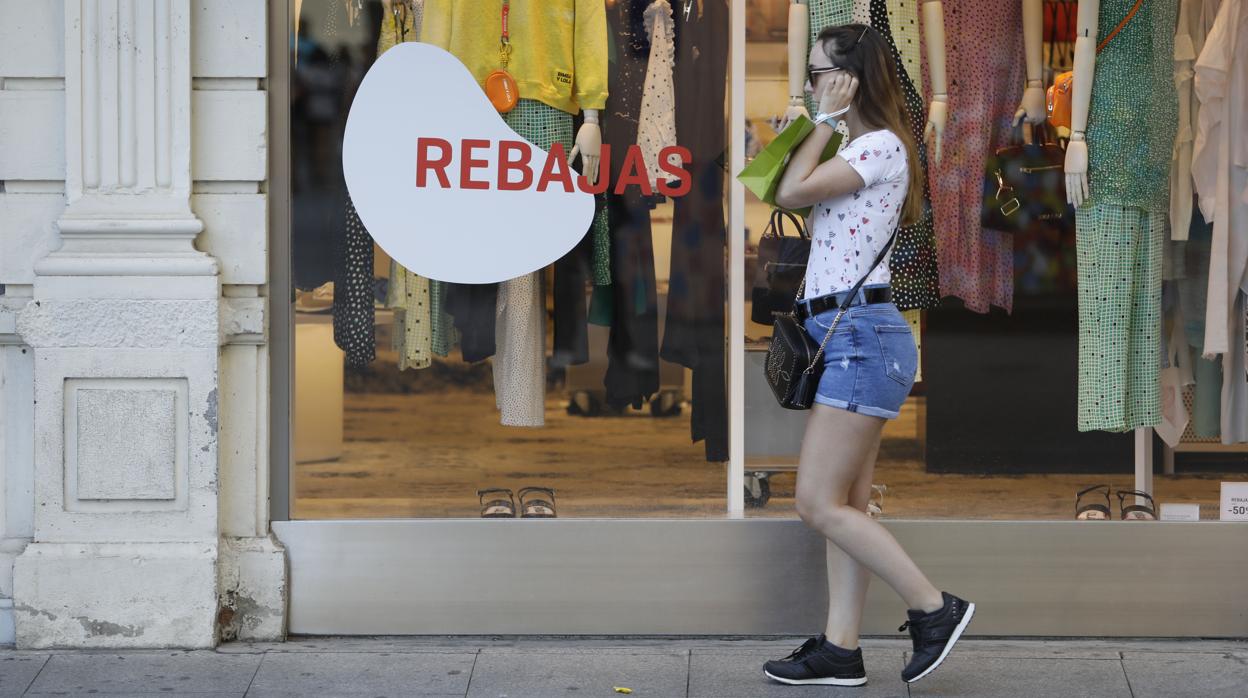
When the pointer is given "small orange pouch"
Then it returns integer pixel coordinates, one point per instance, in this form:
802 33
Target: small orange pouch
502 90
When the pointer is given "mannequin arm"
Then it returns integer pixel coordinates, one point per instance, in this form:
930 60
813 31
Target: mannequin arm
1081 100
1032 106
799 54
588 145
938 112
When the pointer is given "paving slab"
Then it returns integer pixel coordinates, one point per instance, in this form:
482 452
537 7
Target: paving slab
18 670
1223 674
739 674
390 674
538 674
139 673
969 674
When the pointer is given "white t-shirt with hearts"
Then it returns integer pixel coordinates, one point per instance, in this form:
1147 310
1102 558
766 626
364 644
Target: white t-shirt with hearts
847 232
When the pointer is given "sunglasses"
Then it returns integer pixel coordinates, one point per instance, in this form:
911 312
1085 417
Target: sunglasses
812 72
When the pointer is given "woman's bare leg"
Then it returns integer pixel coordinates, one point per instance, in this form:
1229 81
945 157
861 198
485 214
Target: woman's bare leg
848 580
835 450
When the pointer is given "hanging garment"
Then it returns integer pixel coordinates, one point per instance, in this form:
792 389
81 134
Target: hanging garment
694 331
559 47
571 284
472 310
1178 373
1193 293
353 304
442 325
408 295
354 301
1220 170
986 71
632 374
1120 231
354 317
656 124
1195 18
915 275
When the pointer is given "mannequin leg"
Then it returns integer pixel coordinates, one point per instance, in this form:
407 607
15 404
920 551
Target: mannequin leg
848 580
835 451
520 367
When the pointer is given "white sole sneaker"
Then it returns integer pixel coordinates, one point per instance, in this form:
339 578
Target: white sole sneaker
831 681
953 640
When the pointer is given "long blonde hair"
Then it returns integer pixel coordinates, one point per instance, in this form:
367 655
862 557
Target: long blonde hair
864 53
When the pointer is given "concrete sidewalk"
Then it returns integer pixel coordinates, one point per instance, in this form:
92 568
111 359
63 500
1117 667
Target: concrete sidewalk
662 668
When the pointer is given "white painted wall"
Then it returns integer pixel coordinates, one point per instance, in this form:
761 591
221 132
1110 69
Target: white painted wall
110 287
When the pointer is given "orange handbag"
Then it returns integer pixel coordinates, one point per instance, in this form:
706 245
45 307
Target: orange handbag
1059 99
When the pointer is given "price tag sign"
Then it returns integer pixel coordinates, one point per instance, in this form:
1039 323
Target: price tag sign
1234 501
1180 512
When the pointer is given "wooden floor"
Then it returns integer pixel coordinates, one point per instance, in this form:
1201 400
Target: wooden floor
424 455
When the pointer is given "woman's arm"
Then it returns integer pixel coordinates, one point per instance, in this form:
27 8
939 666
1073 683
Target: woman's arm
805 181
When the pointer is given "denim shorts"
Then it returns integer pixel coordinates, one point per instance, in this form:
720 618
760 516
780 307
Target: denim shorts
869 363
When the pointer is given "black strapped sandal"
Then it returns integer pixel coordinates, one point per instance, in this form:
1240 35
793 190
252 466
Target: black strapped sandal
1093 511
1136 512
533 507
497 508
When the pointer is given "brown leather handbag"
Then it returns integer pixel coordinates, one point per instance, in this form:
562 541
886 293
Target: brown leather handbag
1025 186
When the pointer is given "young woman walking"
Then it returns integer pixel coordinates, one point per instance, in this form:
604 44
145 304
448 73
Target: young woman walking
860 197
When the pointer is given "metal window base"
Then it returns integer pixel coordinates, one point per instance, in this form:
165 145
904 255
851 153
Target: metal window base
753 577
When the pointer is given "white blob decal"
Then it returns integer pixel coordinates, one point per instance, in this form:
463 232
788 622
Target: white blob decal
420 102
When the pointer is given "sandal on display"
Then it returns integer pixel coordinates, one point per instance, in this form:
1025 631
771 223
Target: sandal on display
497 508
535 507
1137 511
875 507
1092 511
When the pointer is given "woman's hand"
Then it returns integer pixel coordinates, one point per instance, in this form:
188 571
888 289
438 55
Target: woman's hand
838 92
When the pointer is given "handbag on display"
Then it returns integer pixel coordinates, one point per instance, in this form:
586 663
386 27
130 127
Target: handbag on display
1060 94
794 361
1025 186
781 267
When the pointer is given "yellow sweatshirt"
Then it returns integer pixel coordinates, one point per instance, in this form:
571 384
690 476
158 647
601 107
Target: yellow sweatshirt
558 47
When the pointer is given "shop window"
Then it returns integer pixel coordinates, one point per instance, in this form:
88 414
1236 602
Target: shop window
600 377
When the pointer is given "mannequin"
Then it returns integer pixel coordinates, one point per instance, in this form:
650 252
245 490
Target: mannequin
993 67
558 58
917 277
1124 110
913 264
799 51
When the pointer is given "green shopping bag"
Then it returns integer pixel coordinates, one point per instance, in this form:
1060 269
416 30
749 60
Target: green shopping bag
762 174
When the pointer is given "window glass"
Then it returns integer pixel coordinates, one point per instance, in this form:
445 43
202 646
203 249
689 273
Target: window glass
601 376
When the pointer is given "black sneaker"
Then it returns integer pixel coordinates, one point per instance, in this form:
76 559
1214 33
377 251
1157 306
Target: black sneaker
934 635
818 663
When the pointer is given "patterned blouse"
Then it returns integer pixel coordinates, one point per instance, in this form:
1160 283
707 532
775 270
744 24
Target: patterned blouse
848 231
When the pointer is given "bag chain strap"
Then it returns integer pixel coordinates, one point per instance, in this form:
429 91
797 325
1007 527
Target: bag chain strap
844 306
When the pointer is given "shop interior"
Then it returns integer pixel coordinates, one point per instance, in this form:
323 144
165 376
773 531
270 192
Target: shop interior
399 418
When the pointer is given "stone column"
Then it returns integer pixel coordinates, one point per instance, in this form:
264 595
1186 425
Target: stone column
126 322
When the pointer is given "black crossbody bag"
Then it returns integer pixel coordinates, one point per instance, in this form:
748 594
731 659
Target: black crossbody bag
793 366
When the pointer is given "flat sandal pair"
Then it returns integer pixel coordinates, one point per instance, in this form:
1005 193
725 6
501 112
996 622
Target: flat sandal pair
532 504
1095 511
